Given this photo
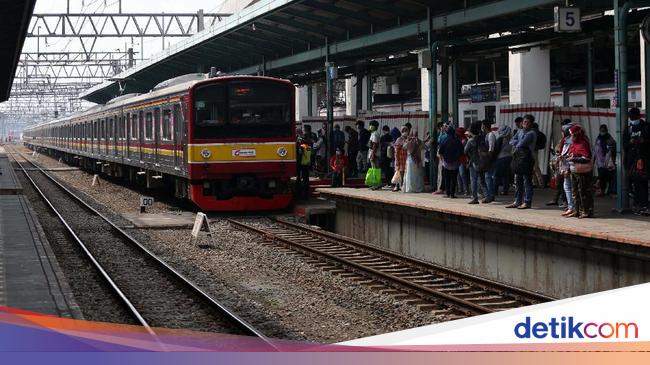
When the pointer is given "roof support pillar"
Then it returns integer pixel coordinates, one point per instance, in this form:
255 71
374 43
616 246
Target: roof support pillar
621 8
454 93
330 75
590 75
433 102
444 89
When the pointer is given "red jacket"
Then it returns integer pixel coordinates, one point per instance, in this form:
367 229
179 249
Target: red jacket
338 163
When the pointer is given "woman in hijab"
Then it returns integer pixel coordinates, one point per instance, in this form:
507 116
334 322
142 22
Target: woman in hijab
580 162
604 158
450 152
413 175
400 158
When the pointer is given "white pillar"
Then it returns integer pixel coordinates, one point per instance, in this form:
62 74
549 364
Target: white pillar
364 98
351 96
530 76
424 84
394 89
302 100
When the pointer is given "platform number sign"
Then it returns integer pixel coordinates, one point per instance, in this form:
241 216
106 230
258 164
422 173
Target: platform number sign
567 19
145 202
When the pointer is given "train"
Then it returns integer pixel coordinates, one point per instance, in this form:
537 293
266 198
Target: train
226 143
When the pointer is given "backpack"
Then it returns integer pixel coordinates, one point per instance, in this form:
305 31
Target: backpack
484 157
522 161
540 144
305 159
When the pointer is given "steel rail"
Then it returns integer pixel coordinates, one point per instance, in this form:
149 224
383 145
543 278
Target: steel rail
229 314
467 306
487 284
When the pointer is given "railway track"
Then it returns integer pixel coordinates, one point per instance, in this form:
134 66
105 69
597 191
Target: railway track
154 293
431 287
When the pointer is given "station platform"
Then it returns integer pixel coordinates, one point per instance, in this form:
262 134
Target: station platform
536 249
30 276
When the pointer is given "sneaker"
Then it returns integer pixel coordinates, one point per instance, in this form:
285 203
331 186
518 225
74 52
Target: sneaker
513 205
439 192
563 206
473 201
487 201
524 206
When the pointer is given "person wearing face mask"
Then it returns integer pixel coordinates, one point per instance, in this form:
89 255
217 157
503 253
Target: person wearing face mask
636 142
384 159
524 143
400 158
605 160
581 166
352 148
338 164
362 155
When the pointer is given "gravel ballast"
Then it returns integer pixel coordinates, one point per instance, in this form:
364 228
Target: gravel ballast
278 292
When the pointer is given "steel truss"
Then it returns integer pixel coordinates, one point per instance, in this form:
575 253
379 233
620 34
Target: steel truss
121 25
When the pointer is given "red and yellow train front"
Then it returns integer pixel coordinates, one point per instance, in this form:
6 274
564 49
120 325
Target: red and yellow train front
241 150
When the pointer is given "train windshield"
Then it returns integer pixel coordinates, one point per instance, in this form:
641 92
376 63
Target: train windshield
242 109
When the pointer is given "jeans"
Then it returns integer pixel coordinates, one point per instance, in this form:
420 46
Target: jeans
476 178
337 179
502 177
387 170
524 189
443 182
561 189
463 179
451 179
568 192
362 161
490 176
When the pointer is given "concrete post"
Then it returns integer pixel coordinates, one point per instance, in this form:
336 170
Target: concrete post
530 76
351 96
302 102
620 55
590 76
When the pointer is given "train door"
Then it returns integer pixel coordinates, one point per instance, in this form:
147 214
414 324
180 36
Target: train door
141 135
149 135
177 137
157 126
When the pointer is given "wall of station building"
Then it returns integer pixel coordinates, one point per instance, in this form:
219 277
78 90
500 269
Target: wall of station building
469 111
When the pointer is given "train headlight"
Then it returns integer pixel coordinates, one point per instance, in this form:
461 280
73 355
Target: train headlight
282 152
206 153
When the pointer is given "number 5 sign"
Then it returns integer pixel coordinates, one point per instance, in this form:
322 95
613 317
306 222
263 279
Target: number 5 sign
567 20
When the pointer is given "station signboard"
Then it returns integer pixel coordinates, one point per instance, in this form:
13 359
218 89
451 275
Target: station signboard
567 19
486 92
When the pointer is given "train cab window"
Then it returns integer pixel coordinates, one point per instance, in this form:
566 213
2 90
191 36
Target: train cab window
134 127
166 125
148 127
253 109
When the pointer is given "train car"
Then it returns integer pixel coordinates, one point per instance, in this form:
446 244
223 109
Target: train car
227 143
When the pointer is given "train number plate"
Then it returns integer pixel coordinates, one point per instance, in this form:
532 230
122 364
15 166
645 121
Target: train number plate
245 152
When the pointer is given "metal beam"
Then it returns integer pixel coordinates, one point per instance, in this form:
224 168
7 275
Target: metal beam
119 25
441 22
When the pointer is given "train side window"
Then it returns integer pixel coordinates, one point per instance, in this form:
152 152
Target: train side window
134 126
102 130
148 128
123 128
166 125
110 129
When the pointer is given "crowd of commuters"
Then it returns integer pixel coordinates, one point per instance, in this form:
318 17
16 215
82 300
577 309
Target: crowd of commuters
485 161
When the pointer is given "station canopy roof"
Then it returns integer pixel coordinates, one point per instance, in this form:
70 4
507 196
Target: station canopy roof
14 20
285 38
